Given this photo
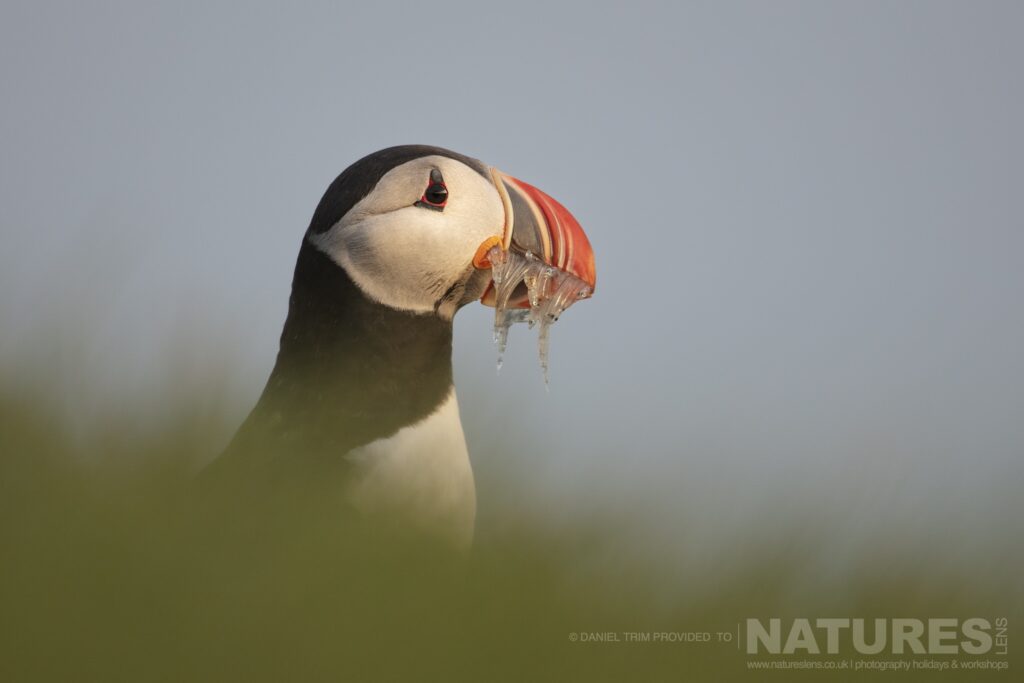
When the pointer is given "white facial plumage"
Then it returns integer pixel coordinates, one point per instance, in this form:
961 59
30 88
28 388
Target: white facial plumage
407 256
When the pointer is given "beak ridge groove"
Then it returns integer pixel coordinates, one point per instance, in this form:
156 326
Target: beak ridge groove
537 223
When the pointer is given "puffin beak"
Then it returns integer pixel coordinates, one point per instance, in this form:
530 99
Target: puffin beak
537 224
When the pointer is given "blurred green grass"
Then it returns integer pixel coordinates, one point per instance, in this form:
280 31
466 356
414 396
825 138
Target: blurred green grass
115 567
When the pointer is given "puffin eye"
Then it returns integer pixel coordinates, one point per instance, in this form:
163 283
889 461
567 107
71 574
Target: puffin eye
436 194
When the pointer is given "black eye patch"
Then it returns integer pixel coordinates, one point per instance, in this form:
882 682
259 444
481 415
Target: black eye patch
436 195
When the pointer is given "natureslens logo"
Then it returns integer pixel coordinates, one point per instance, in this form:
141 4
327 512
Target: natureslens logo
975 636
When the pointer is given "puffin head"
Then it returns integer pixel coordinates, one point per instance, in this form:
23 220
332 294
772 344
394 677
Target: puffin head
414 228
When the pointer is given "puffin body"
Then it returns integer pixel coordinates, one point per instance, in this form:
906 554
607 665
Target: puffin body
361 393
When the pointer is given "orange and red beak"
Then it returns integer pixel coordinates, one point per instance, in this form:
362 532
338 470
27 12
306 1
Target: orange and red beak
537 224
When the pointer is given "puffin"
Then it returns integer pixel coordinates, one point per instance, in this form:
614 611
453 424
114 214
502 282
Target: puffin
361 394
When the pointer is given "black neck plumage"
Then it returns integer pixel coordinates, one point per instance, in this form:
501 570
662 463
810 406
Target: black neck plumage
349 370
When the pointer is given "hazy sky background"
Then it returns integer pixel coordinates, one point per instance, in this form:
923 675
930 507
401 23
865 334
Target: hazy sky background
807 220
